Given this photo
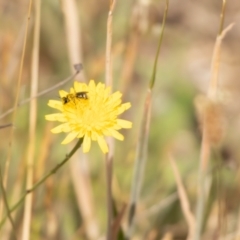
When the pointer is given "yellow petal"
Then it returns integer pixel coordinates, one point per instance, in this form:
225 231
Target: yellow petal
86 144
80 87
80 134
63 93
92 86
69 138
55 104
124 123
56 117
103 145
124 107
61 128
94 136
117 135
116 96
100 87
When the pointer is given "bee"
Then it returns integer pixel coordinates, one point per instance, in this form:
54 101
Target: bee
81 95
71 97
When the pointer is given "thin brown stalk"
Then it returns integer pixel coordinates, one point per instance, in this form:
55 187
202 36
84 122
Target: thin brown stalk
183 199
108 80
206 145
6 205
32 122
6 125
79 166
222 16
9 154
110 141
78 68
117 222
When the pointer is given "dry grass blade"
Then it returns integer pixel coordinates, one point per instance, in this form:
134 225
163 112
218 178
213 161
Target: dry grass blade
110 141
108 80
79 166
32 122
73 33
222 16
183 199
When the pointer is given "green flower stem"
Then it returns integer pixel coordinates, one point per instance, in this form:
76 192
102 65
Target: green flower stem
36 185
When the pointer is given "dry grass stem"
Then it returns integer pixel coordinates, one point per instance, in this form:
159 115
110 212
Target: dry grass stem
191 222
79 165
9 154
6 205
117 222
32 123
108 80
206 144
222 16
6 125
212 89
110 141
73 34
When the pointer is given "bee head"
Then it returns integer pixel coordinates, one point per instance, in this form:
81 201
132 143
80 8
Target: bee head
65 100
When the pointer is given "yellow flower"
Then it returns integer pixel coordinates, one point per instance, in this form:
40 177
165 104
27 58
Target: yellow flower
89 112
